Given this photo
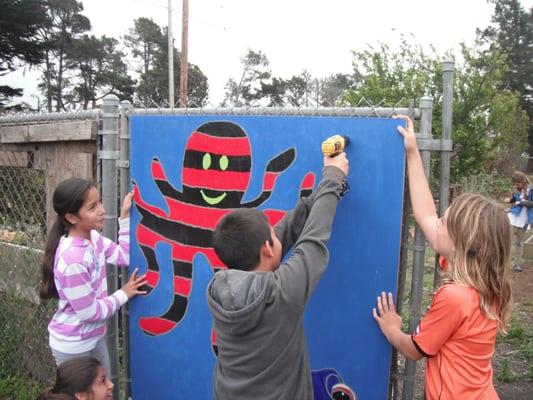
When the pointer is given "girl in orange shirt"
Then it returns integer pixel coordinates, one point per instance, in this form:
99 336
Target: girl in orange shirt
458 333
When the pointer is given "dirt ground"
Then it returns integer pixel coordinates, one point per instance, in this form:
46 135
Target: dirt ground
522 388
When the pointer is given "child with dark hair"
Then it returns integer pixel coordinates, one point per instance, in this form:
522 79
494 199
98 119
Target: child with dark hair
81 378
520 215
74 272
258 303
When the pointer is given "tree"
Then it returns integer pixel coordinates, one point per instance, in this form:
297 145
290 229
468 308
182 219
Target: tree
512 36
20 22
99 69
64 24
145 40
153 81
395 77
254 77
299 90
332 89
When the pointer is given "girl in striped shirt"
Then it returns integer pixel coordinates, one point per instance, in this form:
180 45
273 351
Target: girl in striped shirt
74 272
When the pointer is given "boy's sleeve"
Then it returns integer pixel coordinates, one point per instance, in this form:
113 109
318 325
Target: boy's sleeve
446 314
299 275
289 228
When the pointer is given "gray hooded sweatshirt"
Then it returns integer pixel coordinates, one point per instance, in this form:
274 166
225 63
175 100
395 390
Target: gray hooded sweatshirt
258 316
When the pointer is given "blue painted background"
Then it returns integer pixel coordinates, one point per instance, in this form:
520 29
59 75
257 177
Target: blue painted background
364 249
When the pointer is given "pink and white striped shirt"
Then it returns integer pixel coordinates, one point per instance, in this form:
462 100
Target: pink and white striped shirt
81 282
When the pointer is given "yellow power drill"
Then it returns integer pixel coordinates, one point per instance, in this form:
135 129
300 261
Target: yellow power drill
333 146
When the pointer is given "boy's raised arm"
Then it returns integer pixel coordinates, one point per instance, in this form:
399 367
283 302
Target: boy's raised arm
301 272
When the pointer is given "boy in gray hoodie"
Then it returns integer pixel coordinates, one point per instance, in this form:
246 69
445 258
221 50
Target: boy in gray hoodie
258 305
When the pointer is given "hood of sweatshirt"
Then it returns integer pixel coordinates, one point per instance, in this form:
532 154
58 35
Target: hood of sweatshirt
238 299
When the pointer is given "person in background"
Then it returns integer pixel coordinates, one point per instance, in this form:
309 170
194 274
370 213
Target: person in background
520 216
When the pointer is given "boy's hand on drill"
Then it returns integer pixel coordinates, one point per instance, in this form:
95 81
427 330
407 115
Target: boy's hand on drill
340 161
408 133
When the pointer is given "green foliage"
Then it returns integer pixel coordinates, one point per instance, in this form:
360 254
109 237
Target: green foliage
512 34
148 44
486 119
257 86
100 70
24 337
65 23
19 25
505 374
255 75
491 185
392 77
18 388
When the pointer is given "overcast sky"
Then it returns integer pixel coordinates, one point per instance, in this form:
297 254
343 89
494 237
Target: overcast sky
294 34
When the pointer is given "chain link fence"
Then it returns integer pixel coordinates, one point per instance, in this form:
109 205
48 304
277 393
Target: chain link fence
25 198
22 200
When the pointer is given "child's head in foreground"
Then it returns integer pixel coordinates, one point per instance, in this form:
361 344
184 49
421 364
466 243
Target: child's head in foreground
245 240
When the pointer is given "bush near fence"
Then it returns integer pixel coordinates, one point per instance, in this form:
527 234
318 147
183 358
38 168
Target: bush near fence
23 321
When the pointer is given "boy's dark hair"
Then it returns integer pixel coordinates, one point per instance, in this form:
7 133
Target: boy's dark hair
238 238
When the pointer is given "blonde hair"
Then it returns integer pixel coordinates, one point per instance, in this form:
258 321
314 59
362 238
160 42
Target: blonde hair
481 234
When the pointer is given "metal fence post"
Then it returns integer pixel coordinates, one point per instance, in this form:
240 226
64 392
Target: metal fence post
444 180
402 269
419 250
124 165
108 155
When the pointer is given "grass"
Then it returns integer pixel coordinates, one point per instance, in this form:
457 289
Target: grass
18 388
514 351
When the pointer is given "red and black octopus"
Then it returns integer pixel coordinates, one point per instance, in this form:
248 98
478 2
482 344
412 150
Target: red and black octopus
215 175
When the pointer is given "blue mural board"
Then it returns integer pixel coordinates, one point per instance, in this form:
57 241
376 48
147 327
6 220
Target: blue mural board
364 249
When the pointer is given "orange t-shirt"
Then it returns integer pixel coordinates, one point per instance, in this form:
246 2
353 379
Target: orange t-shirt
458 341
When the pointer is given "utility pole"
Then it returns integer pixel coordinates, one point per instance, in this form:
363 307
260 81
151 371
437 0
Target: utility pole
170 58
184 70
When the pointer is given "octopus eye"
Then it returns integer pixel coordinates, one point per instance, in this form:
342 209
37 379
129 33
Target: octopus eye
206 161
223 162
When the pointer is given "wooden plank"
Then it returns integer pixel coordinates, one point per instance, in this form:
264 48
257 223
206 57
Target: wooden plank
53 132
64 161
13 159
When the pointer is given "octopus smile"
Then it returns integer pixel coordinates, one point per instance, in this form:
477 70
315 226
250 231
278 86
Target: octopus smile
212 200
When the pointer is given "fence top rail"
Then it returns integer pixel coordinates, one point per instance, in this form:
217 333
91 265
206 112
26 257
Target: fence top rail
377 112
50 117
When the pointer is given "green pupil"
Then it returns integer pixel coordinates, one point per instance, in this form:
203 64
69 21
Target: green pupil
224 162
206 161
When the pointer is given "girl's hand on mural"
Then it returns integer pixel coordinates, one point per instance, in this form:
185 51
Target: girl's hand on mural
386 316
126 205
408 133
340 161
131 287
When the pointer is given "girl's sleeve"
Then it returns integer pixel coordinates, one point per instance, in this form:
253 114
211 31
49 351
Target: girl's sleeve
119 254
77 289
446 314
